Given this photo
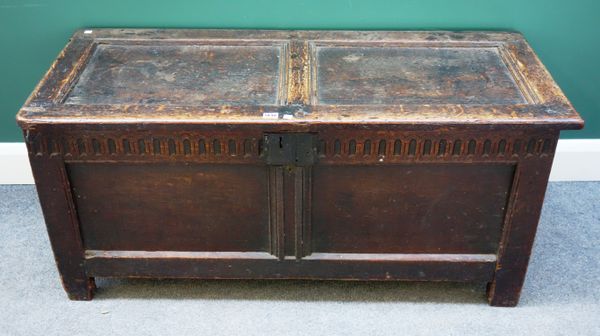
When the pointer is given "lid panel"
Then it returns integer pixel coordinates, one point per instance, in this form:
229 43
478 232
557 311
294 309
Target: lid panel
298 78
182 75
413 75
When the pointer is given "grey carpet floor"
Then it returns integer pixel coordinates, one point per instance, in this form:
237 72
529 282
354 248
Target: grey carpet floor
561 294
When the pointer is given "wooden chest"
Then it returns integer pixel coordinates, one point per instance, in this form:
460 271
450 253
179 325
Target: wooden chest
294 154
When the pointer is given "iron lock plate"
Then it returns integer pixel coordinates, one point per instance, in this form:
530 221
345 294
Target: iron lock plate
296 149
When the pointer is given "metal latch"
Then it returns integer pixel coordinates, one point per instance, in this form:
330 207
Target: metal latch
298 149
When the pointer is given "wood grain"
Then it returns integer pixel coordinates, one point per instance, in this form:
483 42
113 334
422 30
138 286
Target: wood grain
171 207
413 155
456 74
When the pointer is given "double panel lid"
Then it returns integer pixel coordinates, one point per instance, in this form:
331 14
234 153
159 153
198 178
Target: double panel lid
239 76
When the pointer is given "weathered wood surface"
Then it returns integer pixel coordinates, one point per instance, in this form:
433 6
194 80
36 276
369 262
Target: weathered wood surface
184 75
415 155
414 75
116 76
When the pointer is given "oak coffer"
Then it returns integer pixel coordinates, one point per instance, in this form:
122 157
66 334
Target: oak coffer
294 154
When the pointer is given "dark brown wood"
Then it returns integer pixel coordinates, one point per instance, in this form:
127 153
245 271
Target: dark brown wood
63 227
171 207
294 155
520 225
409 208
325 266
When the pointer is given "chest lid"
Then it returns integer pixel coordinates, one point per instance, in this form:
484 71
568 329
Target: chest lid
241 76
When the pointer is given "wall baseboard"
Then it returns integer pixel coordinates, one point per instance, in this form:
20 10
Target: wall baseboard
575 160
14 164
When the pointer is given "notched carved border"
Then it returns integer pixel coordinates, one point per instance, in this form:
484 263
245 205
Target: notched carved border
249 148
149 147
398 149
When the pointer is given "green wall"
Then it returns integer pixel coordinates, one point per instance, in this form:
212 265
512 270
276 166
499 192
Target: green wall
566 34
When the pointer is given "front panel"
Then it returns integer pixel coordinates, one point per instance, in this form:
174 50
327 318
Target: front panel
362 193
171 206
409 208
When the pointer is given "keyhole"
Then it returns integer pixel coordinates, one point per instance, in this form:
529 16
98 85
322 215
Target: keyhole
280 142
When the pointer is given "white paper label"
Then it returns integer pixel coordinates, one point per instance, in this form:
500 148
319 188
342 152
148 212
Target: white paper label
270 115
